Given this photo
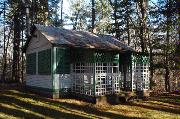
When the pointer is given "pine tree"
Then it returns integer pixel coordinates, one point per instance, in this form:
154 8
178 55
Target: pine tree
53 12
103 17
164 35
81 15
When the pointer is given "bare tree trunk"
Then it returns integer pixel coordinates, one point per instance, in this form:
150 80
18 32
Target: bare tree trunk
167 70
76 20
93 15
102 13
5 55
16 48
116 21
115 6
167 80
127 22
142 4
34 10
61 13
151 67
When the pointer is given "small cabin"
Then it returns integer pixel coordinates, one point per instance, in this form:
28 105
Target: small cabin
61 61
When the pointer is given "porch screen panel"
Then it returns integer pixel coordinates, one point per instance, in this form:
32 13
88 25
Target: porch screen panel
126 71
83 55
95 73
31 63
82 71
107 78
44 62
140 66
63 59
83 78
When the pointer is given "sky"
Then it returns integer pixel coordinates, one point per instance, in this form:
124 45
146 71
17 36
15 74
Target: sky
67 11
66 6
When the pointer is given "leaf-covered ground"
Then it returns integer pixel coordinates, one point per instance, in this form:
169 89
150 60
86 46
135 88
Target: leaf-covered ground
19 104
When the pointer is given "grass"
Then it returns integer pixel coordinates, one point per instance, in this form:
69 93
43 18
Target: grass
16 104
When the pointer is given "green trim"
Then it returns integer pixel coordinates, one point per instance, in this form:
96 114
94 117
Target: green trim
94 78
52 75
140 59
94 56
131 77
53 68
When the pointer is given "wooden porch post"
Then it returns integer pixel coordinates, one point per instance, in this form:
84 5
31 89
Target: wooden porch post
94 78
55 79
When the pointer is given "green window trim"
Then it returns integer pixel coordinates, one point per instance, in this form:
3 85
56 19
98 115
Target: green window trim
94 56
140 59
106 56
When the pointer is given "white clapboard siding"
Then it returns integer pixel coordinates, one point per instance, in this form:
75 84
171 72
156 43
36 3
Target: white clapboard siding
38 43
41 81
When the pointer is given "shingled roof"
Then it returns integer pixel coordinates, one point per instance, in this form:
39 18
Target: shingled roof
70 38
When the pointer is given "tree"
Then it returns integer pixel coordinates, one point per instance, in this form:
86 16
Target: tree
39 11
164 35
53 12
81 15
177 58
93 15
170 15
16 12
101 19
142 16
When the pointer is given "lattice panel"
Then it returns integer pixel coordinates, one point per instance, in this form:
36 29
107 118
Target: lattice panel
82 82
83 67
107 84
107 68
107 78
128 78
140 77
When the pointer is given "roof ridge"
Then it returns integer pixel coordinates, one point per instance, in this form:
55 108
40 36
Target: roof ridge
85 39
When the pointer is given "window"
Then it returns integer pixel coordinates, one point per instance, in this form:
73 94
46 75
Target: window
31 63
63 61
44 62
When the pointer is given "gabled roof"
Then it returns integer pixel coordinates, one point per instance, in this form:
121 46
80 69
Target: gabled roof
70 38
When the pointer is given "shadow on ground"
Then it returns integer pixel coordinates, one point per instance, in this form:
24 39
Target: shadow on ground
168 103
21 104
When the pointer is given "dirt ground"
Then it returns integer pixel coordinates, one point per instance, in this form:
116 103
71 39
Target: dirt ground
16 103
